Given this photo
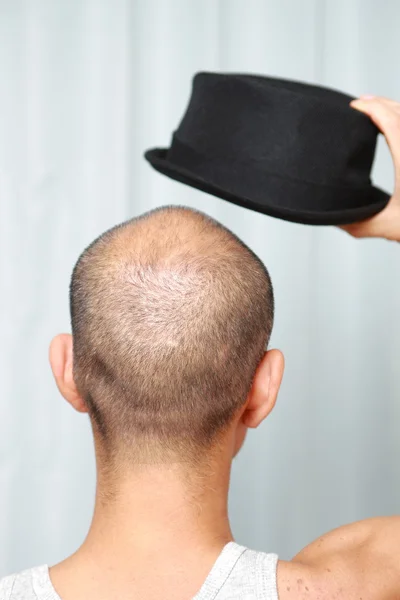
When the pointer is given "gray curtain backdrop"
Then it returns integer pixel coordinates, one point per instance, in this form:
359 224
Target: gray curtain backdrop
85 87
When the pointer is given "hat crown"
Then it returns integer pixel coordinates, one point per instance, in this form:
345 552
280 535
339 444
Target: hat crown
286 128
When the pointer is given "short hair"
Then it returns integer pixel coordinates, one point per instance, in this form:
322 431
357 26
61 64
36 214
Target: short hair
171 314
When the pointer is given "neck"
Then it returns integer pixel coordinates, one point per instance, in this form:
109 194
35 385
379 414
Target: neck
158 518
160 508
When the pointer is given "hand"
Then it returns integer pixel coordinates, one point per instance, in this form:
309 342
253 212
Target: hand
386 116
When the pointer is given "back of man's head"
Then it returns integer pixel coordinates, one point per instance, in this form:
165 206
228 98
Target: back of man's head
171 314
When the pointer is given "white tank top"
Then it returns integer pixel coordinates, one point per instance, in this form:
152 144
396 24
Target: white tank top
237 574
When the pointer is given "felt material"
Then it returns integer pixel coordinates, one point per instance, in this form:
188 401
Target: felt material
292 150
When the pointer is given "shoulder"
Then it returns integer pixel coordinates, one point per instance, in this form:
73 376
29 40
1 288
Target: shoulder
20 585
6 585
357 561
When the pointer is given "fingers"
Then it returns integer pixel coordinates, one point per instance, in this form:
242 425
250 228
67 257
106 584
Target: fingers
370 228
385 224
369 103
385 114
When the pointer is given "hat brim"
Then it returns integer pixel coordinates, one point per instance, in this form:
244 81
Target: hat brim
273 197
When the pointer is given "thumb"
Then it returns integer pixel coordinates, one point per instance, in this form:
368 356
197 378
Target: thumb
386 116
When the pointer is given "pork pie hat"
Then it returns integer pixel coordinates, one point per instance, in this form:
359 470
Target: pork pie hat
288 149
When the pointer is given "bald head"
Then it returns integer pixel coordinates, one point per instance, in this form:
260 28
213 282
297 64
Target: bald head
170 315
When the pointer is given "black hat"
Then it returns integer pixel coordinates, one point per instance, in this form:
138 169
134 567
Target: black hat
292 150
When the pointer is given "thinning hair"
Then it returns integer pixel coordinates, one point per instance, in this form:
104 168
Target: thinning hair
171 314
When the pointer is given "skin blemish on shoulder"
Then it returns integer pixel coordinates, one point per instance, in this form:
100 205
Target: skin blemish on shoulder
302 586
288 588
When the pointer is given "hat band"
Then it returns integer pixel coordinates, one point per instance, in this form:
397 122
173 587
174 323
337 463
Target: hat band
183 155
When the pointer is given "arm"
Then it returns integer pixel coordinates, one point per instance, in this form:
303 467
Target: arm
360 561
386 116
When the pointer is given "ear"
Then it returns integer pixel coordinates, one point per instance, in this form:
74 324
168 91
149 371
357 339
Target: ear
61 361
264 391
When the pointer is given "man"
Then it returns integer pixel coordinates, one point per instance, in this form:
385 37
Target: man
171 315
